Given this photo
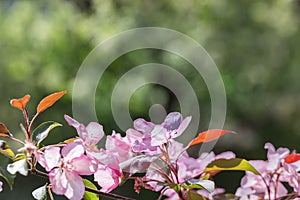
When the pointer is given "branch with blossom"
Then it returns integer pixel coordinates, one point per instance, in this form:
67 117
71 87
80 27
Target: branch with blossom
148 154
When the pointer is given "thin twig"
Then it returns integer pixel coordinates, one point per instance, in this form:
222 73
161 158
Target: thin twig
109 195
31 122
50 193
16 140
38 173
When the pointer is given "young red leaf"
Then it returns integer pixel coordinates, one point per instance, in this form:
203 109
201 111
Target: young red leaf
48 101
294 157
208 136
4 132
20 103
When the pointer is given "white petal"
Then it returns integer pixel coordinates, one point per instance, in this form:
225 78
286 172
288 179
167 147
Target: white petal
40 193
18 166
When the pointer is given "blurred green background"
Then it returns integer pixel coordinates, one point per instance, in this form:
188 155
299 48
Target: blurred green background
255 45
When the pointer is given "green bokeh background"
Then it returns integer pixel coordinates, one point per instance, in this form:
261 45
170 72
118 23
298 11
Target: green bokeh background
255 45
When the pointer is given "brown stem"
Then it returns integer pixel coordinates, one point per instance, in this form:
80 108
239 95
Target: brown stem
109 195
31 122
25 113
39 173
16 140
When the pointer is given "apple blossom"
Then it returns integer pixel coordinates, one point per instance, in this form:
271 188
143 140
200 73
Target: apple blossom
108 174
273 172
156 135
89 135
65 167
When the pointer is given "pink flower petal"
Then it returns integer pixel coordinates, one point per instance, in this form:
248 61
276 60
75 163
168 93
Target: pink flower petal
138 164
172 121
118 146
58 181
158 136
133 135
84 165
106 158
226 155
107 178
143 126
72 150
71 121
184 124
75 187
52 157
94 133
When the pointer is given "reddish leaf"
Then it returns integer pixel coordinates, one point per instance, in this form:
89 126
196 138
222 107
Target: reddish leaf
4 132
208 136
48 101
294 157
20 103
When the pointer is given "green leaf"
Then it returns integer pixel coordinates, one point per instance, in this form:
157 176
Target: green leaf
199 184
192 186
235 164
192 195
19 156
42 131
90 195
173 186
9 178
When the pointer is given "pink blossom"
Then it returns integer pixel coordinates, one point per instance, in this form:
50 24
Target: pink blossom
156 135
188 169
273 172
65 167
108 174
191 167
89 135
120 146
1 184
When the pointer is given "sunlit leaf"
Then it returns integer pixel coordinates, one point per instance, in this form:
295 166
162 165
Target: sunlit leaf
294 157
19 156
4 132
173 186
9 178
90 195
235 164
208 136
42 131
20 103
200 184
8 152
5 150
40 193
48 101
192 195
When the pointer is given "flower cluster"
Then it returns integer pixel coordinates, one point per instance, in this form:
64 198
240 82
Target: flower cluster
281 167
148 153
